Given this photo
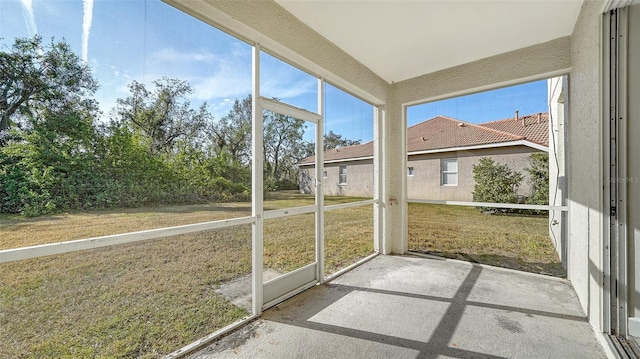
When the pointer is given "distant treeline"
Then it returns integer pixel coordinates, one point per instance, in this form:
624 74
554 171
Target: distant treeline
57 152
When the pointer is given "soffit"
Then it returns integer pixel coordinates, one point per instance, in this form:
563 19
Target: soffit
403 39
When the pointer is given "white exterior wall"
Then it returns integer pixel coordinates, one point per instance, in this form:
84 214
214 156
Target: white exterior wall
557 169
584 172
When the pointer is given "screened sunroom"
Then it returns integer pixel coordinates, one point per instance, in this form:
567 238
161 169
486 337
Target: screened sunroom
167 218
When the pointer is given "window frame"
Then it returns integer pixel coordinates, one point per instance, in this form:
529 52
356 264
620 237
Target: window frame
410 171
444 171
341 174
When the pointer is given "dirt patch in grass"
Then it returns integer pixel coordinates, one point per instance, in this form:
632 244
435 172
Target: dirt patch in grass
510 241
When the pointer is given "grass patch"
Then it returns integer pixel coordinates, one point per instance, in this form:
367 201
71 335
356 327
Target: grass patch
142 299
133 300
509 241
348 236
149 298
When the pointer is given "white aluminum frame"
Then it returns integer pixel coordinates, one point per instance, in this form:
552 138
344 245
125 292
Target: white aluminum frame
257 185
320 184
538 207
16 254
288 110
278 289
378 179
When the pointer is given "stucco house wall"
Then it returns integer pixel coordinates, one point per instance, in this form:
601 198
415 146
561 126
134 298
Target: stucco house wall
359 179
426 182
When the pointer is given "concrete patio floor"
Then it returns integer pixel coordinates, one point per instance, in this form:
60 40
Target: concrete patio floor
415 307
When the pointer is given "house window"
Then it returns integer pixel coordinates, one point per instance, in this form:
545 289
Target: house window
343 175
324 174
450 172
409 171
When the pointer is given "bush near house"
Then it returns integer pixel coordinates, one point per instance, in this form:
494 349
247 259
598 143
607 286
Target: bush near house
495 182
539 178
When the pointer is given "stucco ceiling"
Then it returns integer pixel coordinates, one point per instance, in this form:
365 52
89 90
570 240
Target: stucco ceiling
403 39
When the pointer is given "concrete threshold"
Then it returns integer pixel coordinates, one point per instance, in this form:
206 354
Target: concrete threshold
414 307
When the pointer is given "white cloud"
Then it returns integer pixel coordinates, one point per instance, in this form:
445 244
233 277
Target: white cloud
171 55
283 88
212 76
29 17
221 108
217 78
229 83
86 27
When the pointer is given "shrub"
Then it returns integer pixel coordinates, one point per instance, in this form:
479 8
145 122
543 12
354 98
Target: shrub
539 178
495 182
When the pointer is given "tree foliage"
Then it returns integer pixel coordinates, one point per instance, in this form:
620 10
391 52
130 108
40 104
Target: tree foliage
495 182
163 115
58 154
35 77
232 133
283 145
331 140
539 178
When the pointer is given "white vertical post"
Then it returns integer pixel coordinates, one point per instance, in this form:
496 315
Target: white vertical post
402 201
320 184
378 116
257 186
621 140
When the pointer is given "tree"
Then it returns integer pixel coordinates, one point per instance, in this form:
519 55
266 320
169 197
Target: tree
53 166
48 138
539 178
232 133
163 115
35 77
331 140
283 145
495 182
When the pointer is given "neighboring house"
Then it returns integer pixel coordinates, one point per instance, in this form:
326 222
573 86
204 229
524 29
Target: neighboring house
441 153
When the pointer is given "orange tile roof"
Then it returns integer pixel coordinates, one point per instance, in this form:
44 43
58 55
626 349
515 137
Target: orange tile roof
445 132
442 132
534 128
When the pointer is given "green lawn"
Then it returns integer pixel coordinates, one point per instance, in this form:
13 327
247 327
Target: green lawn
510 241
149 298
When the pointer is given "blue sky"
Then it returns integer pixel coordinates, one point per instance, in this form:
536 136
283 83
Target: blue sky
145 40
487 106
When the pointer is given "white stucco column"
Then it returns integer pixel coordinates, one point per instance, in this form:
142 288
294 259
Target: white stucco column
394 184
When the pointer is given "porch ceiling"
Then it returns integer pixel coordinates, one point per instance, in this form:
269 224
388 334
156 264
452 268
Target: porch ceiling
403 39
